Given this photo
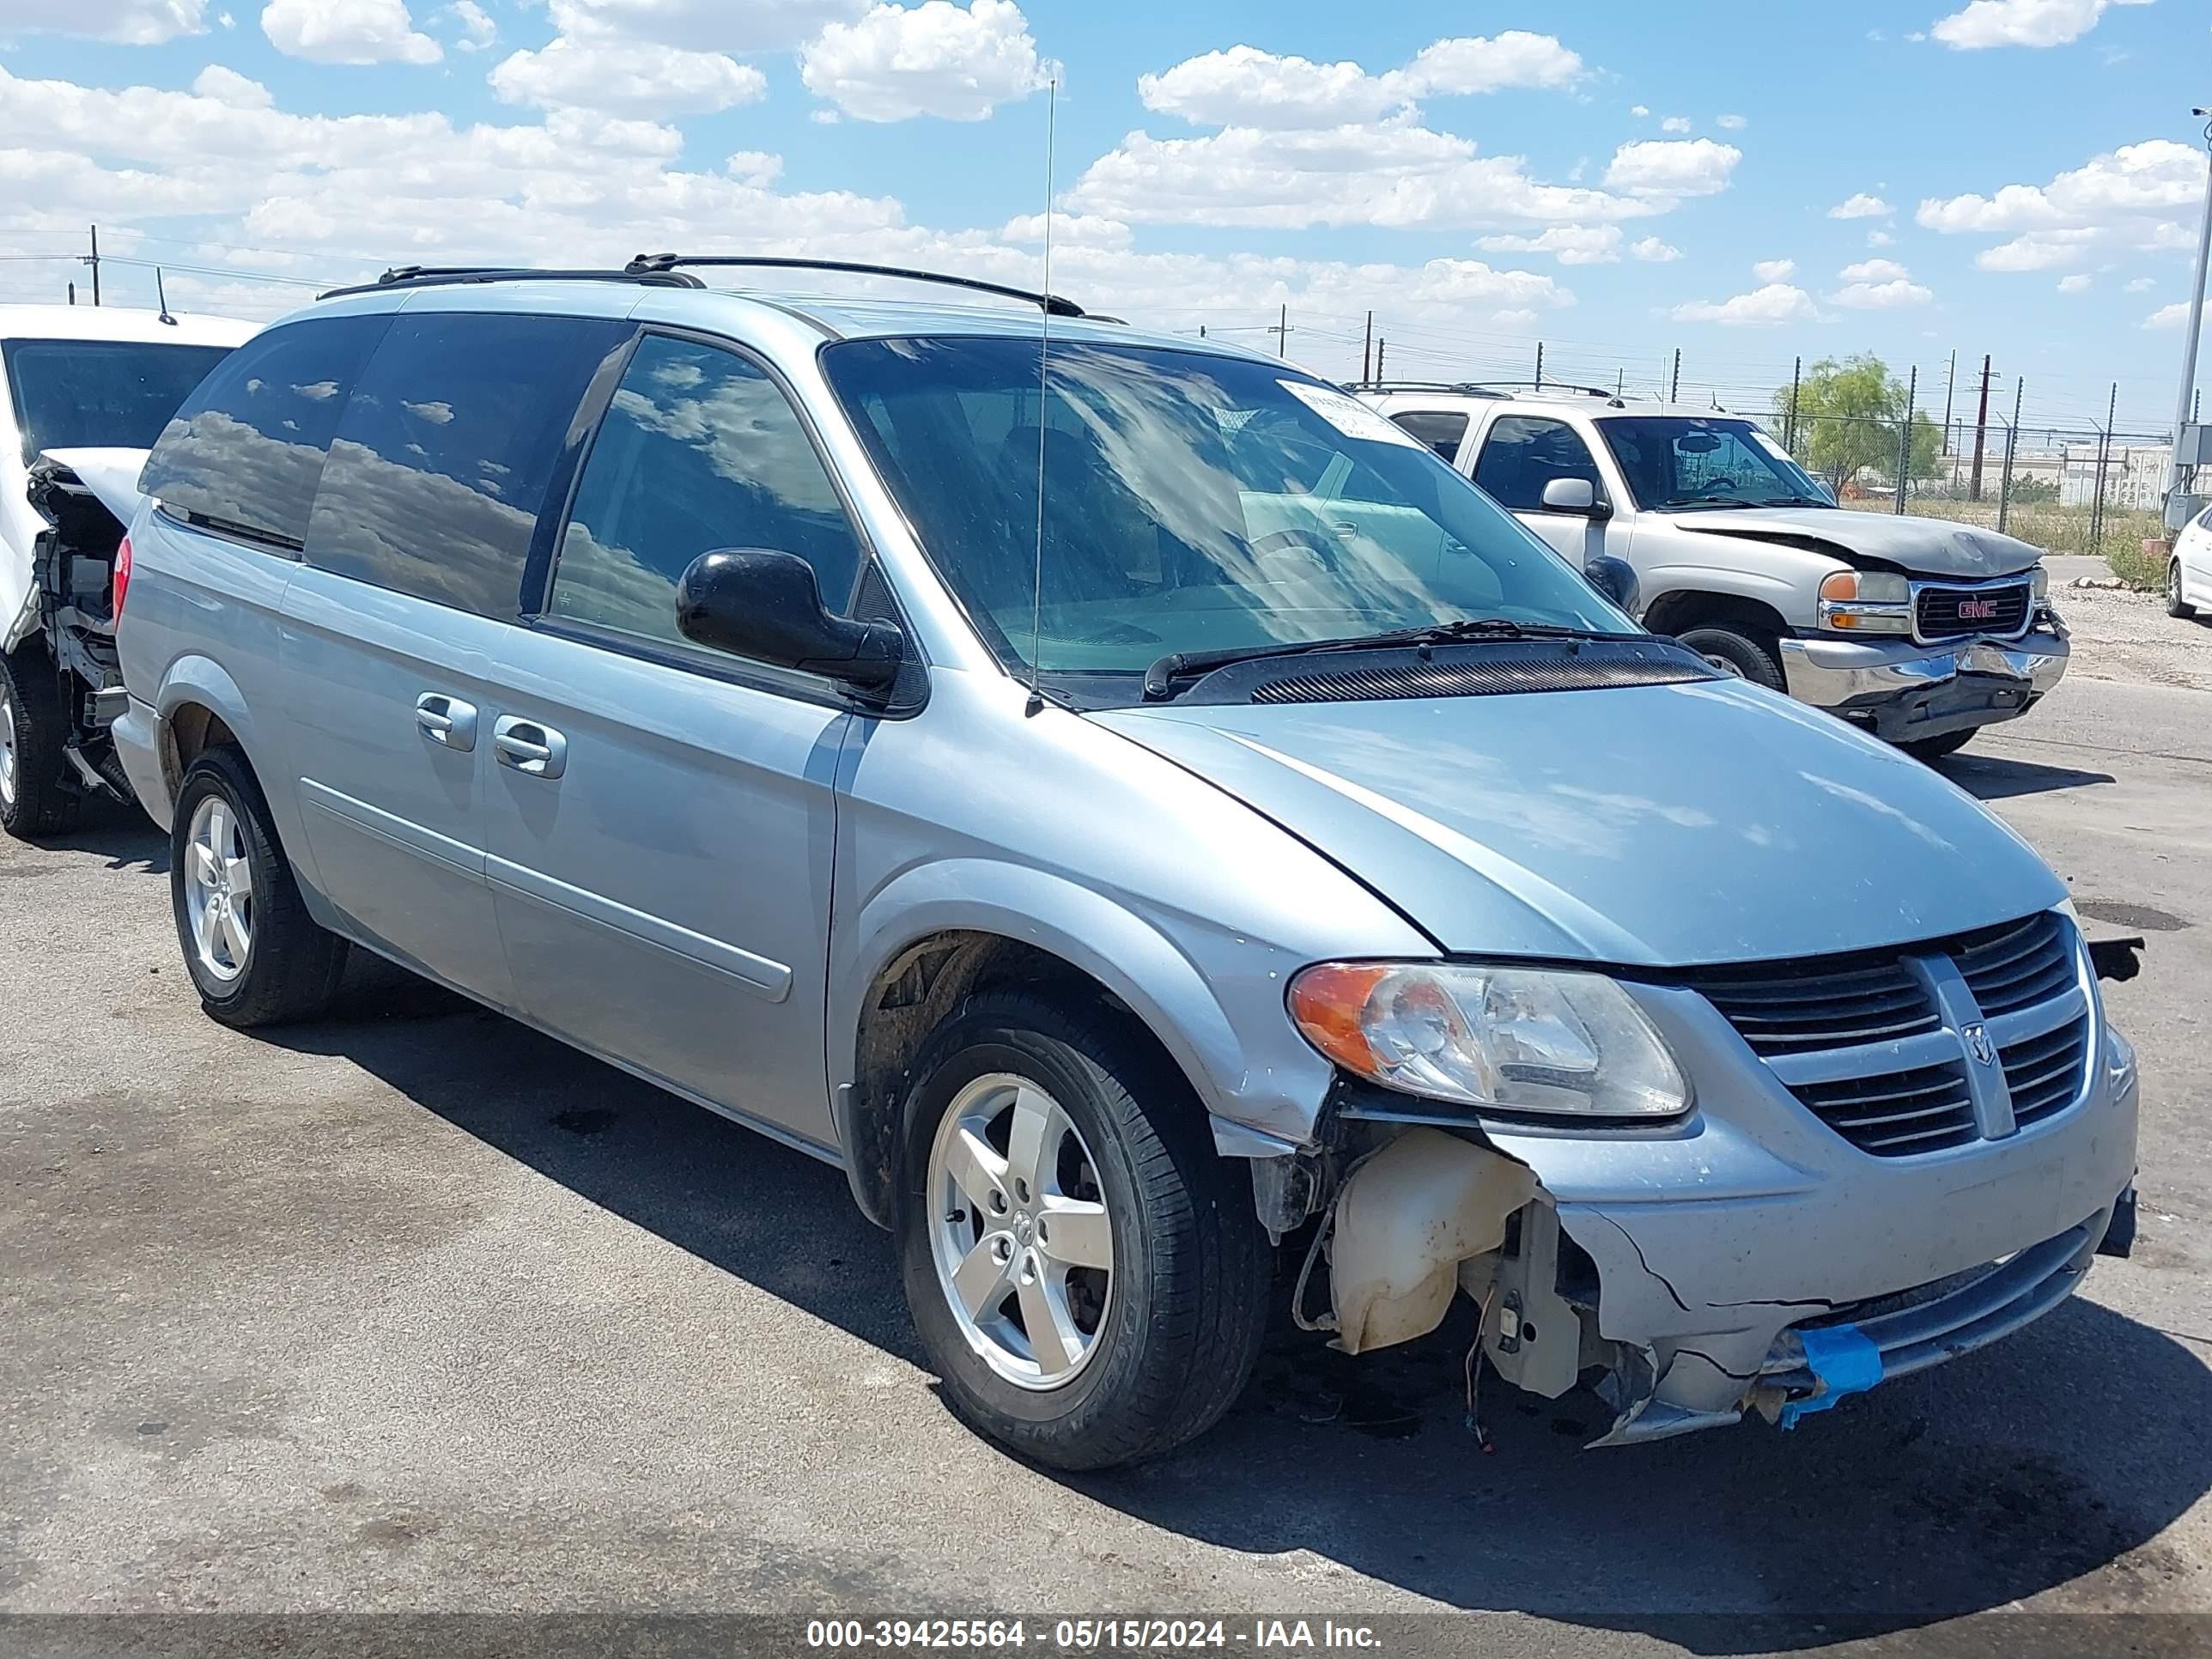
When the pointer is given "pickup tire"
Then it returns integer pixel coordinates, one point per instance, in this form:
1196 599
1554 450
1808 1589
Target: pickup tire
34 795
255 956
1143 1356
1750 656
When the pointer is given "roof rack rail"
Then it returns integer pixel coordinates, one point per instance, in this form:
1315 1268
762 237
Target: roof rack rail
1490 388
446 276
650 264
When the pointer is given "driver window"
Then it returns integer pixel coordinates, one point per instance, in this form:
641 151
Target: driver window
1523 452
699 451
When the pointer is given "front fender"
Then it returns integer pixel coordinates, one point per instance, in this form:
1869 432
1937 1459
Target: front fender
1214 999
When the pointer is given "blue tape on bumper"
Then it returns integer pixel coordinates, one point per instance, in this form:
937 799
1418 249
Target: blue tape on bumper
1844 1359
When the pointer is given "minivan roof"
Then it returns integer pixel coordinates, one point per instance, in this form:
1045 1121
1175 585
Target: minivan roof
119 323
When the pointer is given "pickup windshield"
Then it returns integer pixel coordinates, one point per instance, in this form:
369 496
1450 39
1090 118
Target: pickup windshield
99 394
1192 503
1690 462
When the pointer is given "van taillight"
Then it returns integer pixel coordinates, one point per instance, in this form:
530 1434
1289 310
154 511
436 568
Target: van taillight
122 579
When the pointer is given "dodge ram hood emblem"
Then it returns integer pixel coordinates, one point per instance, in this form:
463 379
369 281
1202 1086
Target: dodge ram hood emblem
1978 1044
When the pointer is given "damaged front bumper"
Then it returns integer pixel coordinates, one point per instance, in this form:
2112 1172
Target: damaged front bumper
1750 1258
1901 690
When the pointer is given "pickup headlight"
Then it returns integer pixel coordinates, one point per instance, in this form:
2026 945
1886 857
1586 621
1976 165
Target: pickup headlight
1867 602
2039 579
1513 1039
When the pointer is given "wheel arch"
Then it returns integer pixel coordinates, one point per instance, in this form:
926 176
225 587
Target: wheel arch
200 705
1681 608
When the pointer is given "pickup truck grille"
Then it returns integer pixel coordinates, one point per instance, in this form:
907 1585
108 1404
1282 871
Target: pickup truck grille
1925 1048
1947 613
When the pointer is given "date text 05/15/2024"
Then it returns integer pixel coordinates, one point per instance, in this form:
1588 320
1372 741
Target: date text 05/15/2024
1091 1635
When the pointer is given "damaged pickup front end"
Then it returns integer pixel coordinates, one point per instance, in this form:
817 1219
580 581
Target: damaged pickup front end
1887 1159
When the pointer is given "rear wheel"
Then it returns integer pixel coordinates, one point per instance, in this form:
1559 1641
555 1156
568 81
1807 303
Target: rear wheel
1932 749
1084 1270
256 957
34 796
2175 604
1748 656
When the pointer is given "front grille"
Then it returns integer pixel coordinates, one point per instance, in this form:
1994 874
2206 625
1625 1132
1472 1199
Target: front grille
1945 613
1921 1110
2044 1073
1863 1041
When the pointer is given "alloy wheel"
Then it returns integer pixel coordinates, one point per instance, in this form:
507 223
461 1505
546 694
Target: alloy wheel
7 746
1019 1231
219 889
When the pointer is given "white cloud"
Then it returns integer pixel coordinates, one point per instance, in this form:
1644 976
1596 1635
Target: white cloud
732 26
1570 244
937 58
347 32
2077 283
2139 285
1660 167
2040 251
1639 110
1730 123
128 22
1068 228
2173 316
1881 239
227 86
1773 270
1246 87
625 77
2140 196
1472 64
1885 296
1652 251
2022 22
477 31
1874 270
1675 124
1861 206
1764 308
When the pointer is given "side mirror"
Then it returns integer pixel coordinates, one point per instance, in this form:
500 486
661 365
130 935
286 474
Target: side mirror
760 603
1570 495
1615 579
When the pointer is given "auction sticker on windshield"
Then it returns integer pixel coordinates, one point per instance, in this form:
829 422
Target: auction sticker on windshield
1348 415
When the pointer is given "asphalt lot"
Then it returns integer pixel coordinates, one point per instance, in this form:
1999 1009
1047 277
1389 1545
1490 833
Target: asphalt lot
414 1309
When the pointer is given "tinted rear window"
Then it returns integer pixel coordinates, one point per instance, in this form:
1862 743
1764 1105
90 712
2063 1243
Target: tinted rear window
72 394
244 452
442 460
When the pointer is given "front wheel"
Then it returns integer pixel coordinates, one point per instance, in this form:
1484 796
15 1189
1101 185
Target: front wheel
1746 655
2175 604
1084 1270
34 798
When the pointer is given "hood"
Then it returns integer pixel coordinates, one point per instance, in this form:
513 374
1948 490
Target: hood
110 474
1922 547
1656 826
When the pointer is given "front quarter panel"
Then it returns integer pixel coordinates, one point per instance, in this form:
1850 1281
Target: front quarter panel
1671 558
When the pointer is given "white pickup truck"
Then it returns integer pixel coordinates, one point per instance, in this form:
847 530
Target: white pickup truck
90 387
1921 630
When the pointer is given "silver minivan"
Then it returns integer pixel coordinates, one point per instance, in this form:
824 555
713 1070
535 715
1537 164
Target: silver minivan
1178 846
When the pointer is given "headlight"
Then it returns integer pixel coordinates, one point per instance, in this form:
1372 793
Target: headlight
1867 602
2039 579
1514 1039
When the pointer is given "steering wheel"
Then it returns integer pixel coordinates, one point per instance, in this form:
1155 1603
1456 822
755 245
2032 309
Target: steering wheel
1312 540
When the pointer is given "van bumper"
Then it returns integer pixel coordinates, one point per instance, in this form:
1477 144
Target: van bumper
1901 690
136 734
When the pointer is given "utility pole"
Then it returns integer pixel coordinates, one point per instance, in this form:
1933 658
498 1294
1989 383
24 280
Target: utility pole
1282 330
1950 375
1674 384
2104 449
1790 427
1367 350
2189 330
1904 435
1379 344
2012 437
95 263
1540 363
1981 432
72 289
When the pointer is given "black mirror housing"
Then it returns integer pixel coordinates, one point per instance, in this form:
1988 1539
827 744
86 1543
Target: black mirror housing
764 604
1615 579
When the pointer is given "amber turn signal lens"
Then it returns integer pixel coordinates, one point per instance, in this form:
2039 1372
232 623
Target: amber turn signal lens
1327 1001
1843 585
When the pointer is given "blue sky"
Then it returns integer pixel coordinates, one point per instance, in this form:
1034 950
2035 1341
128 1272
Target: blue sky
1618 180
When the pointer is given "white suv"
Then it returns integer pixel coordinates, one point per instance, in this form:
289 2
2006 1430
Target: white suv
1921 630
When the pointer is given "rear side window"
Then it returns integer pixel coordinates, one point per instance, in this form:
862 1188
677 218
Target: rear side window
1441 429
244 452
1525 453
443 458
701 450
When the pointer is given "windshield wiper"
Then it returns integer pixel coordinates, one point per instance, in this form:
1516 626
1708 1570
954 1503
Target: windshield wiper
1160 678
1793 500
1713 500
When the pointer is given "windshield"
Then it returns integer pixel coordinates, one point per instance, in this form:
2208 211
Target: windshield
1689 461
99 394
1192 503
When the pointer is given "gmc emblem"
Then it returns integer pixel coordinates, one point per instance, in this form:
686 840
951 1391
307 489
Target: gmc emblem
1977 610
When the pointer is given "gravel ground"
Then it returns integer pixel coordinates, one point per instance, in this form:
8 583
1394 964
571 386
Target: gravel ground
414 1309
2127 637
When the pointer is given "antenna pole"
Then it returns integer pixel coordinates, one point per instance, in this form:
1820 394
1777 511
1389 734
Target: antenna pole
1367 350
1540 365
1675 384
1282 330
1036 704
95 263
1379 344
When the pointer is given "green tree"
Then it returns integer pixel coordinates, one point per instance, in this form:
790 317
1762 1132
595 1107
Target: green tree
1851 416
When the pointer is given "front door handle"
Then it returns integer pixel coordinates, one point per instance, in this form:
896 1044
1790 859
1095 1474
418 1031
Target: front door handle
446 720
535 750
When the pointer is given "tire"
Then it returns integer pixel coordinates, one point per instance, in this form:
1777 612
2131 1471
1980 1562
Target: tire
1934 749
290 966
1747 655
1184 1306
2175 604
34 796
